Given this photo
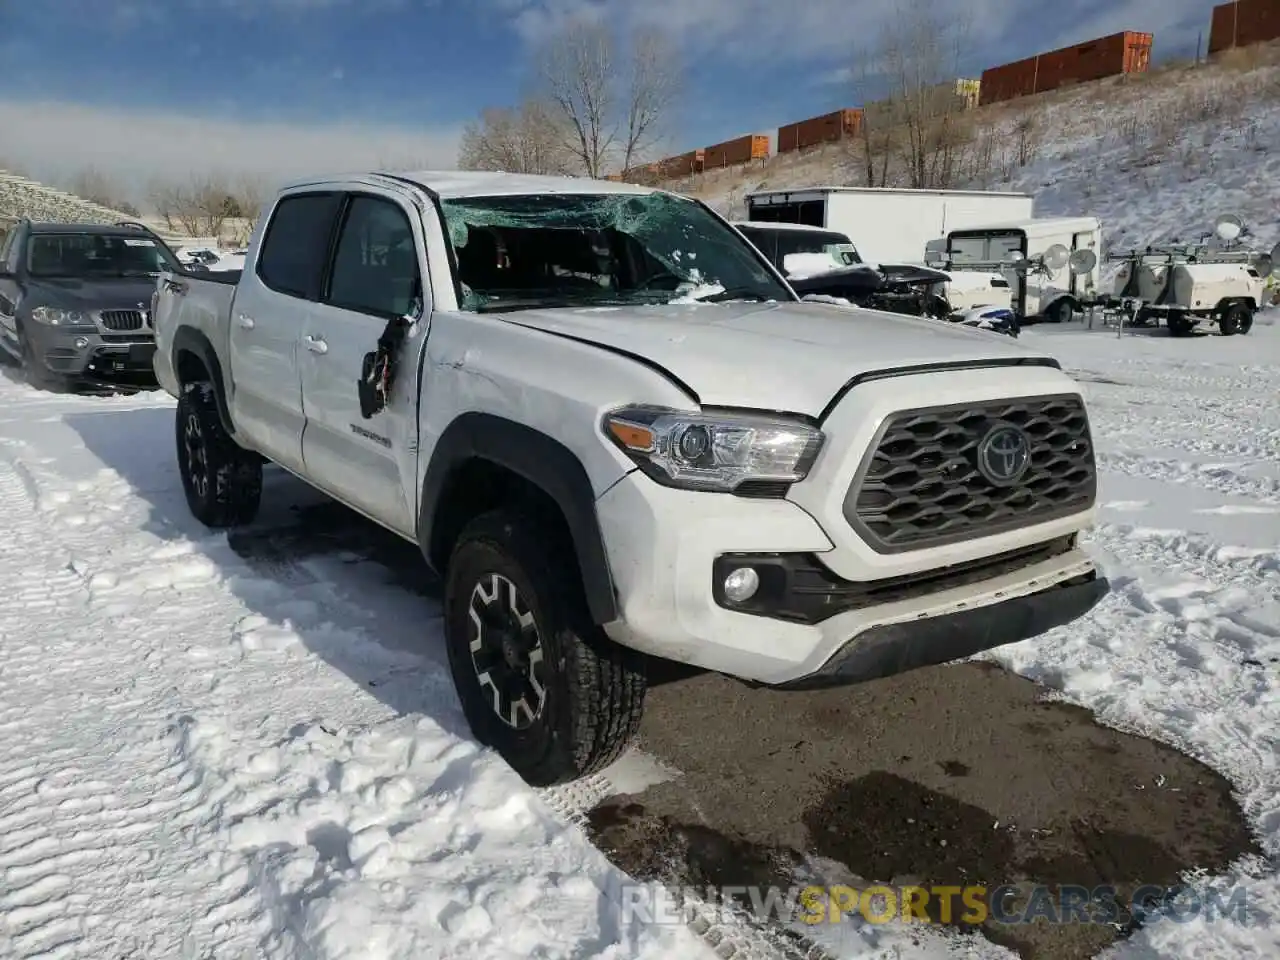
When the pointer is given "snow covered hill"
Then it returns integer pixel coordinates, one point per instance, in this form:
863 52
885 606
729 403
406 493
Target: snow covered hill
1157 158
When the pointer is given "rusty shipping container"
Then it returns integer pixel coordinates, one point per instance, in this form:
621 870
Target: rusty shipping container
753 146
1244 23
1127 52
1008 81
683 165
828 128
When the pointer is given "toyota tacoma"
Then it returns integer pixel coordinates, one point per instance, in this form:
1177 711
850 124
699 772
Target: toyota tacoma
616 434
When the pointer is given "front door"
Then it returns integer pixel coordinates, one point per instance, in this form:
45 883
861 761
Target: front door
270 307
376 275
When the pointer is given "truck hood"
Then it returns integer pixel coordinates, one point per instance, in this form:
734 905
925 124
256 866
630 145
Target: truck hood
786 357
96 293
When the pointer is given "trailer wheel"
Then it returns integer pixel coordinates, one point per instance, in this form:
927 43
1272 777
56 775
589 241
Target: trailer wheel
1061 311
1237 318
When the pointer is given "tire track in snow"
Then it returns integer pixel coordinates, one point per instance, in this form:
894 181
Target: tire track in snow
95 804
1190 613
1217 478
731 936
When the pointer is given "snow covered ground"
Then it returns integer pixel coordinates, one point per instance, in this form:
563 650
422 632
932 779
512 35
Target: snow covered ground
203 755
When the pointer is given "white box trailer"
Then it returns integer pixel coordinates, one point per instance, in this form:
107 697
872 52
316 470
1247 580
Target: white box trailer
888 225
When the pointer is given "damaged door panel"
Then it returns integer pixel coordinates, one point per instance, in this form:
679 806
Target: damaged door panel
369 323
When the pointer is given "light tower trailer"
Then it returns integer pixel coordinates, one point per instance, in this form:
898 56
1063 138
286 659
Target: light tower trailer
1192 283
1040 269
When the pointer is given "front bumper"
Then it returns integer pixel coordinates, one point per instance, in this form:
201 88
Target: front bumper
665 547
87 354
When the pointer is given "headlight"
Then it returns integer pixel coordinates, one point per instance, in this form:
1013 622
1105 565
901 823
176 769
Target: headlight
59 318
712 451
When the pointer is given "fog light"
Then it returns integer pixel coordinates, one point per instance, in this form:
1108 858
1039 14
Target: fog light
741 584
81 343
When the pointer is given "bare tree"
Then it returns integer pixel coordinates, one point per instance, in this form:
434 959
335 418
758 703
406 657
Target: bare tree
655 83
923 119
95 186
608 110
523 140
199 207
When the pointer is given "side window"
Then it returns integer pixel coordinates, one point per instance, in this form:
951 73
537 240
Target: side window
297 239
375 265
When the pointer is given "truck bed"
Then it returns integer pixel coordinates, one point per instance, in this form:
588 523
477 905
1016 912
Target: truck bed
203 302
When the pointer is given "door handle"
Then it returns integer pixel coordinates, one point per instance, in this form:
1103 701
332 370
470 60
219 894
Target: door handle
316 344
245 321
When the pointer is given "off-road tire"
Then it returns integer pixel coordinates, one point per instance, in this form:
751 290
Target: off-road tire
594 687
224 487
1236 318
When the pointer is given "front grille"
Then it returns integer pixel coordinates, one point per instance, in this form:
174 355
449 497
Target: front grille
920 486
122 319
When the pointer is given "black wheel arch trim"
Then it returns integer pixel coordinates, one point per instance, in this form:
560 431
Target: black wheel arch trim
189 340
542 461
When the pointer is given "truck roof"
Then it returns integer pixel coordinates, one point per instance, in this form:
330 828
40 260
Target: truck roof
102 229
449 184
881 191
1038 225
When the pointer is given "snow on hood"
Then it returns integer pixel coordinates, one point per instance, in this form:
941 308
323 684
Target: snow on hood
801 266
790 357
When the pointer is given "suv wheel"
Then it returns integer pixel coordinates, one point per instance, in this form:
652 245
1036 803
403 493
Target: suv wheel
538 682
222 480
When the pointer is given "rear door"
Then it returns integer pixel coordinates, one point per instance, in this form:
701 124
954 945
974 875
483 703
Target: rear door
272 304
376 273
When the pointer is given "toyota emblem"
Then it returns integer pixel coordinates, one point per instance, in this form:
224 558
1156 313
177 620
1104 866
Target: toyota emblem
1004 454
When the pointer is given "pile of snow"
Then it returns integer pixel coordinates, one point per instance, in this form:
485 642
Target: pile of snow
207 755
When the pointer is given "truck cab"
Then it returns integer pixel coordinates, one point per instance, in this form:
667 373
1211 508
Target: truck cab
616 434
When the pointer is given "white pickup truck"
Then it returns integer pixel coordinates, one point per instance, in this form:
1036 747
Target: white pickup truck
616 433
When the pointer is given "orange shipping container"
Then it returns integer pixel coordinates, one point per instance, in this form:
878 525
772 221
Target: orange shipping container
1243 23
753 146
683 165
827 128
1127 52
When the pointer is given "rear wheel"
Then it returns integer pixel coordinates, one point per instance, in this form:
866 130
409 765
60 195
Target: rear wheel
1237 318
222 480
1060 312
538 681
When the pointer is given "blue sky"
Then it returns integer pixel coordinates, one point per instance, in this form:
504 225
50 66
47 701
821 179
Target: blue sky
270 84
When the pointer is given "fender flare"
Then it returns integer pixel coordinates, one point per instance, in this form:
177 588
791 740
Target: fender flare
192 341
542 461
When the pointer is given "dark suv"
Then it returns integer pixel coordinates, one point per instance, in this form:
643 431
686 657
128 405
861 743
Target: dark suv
75 301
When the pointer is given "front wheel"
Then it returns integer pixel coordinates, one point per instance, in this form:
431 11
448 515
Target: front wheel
222 480
538 681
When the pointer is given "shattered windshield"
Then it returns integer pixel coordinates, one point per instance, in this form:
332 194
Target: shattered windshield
530 251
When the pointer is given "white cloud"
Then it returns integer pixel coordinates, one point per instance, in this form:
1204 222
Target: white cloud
837 30
133 147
